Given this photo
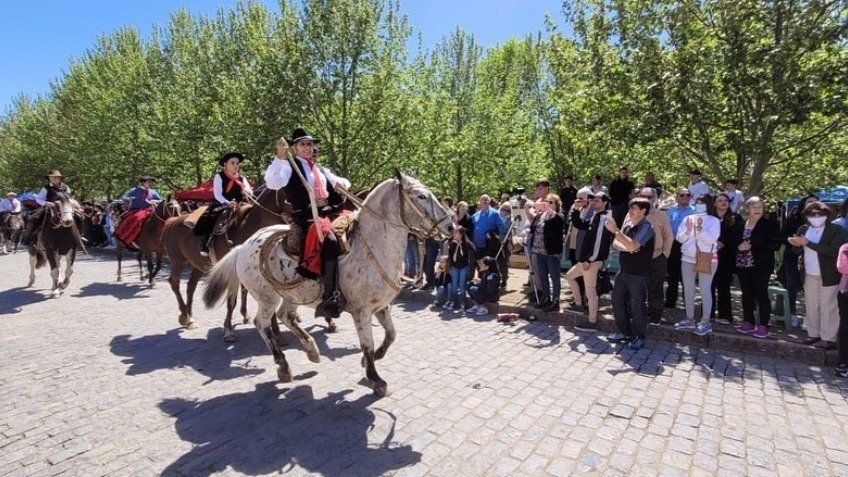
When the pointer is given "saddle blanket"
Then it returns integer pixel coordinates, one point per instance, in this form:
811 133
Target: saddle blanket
130 225
194 216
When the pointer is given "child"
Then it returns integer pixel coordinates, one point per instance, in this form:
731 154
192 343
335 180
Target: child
486 289
460 251
442 281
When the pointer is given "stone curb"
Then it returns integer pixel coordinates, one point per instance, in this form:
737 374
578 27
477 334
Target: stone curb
719 340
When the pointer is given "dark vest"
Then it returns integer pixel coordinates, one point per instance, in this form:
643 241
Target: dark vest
638 263
298 196
234 193
51 190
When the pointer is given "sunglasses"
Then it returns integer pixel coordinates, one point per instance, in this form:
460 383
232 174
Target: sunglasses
816 213
646 197
684 195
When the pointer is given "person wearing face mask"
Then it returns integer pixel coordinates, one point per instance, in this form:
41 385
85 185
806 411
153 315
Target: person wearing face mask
820 242
699 232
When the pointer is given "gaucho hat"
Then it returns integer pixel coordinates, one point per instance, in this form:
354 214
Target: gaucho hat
146 178
300 134
226 157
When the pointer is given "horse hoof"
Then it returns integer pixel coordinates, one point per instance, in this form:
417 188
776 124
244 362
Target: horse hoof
245 321
332 327
381 390
229 338
55 294
184 319
284 375
191 325
313 356
31 283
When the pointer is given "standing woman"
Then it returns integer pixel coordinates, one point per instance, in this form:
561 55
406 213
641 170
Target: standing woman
731 231
791 254
819 244
754 264
460 255
229 188
699 232
546 233
842 300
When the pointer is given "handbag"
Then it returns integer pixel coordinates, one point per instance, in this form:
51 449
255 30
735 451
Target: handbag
604 282
703 260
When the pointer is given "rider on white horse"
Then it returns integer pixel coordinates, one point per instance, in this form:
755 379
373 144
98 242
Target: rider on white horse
323 184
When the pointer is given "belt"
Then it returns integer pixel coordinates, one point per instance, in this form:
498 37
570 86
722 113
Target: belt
321 202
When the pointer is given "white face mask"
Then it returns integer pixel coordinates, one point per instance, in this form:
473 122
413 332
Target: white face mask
700 208
817 221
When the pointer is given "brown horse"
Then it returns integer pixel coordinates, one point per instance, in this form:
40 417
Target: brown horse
149 240
182 247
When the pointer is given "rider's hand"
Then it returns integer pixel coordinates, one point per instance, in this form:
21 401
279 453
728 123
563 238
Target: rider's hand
232 204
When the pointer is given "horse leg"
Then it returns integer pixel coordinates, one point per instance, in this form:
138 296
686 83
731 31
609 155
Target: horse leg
288 314
243 308
33 260
174 281
141 276
190 324
264 315
119 251
332 327
53 260
69 270
150 273
229 333
366 341
385 318
159 255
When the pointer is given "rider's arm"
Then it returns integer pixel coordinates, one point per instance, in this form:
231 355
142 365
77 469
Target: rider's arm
278 174
218 189
17 208
336 180
155 195
246 190
41 198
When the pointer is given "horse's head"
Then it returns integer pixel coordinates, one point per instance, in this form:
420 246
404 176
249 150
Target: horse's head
420 210
168 208
60 205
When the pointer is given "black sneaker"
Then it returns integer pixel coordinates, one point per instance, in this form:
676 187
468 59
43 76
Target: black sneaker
544 304
585 325
841 370
575 308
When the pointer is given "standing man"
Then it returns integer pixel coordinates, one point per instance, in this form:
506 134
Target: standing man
281 175
636 244
568 194
487 221
619 192
676 213
697 187
503 254
651 181
736 197
541 189
663 242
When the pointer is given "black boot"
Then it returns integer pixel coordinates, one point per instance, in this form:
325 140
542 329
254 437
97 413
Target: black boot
331 304
204 246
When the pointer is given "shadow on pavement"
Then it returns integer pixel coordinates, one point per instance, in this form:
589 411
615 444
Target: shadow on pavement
121 291
208 356
14 299
272 430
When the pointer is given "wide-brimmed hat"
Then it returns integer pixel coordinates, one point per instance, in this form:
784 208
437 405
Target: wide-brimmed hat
54 173
226 157
11 194
696 172
300 134
146 178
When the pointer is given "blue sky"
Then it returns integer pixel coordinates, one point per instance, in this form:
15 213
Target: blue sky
41 37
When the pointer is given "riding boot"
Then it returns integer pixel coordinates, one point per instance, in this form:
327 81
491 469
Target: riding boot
331 304
204 246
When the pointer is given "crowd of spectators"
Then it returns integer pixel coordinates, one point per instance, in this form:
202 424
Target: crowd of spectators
698 243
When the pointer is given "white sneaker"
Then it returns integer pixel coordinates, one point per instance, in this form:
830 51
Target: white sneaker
481 311
686 324
703 329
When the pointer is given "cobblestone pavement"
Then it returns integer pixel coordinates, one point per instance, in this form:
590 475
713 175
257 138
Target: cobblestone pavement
103 382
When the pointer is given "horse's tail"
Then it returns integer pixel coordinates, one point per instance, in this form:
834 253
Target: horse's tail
222 279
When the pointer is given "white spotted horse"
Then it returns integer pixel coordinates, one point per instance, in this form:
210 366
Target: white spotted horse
368 274
57 239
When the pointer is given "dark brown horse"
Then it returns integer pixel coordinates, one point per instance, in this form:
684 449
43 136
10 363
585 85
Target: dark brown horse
149 240
182 247
57 238
13 227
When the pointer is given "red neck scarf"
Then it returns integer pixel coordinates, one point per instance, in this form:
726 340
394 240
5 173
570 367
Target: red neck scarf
234 179
318 178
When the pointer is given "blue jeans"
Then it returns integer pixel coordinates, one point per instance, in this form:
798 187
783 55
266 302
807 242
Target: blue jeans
443 294
547 266
458 278
411 259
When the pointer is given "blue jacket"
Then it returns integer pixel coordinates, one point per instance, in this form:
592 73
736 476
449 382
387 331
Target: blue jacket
485 222
140 198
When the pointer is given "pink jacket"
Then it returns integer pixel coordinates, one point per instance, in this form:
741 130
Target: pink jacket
842 266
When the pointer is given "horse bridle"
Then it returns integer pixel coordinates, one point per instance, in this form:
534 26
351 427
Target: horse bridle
432 227
54 205
168 207
255 201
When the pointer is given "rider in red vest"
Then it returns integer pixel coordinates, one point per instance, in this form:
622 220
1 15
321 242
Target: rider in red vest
328 201
229 188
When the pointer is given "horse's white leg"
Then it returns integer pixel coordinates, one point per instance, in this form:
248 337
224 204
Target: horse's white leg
33 259
267 306
287 313
385 318
69 270
54 274
366 341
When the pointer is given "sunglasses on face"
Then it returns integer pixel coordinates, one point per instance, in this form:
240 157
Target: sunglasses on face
816 213
684 195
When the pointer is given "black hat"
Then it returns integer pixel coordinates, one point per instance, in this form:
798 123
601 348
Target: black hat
226 157
696 172
300 134
146 178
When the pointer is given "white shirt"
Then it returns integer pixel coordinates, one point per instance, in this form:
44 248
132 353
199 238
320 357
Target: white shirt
704 240
811 257
736 200
10 205
41 198
218 188
698 189
279 173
